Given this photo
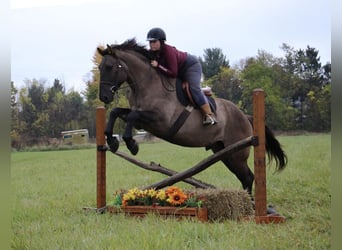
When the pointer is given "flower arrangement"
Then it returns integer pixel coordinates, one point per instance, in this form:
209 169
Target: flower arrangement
172 196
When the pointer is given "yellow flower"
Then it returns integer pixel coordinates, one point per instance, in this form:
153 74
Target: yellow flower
161 195
151 193
131 194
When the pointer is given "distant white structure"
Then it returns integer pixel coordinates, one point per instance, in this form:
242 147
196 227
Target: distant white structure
79 136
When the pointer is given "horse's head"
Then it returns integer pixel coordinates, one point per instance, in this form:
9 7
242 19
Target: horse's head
113 73
126 62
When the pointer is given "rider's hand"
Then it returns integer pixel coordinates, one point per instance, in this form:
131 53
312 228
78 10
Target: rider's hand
154 63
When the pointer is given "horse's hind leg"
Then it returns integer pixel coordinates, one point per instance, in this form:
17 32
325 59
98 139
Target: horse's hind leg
237 164
240 168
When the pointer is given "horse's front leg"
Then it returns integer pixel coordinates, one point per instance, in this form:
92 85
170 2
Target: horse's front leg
131 144
122 113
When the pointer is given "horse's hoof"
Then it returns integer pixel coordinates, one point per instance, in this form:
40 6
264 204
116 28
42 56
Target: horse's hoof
271 210
132 145
113 144
134 148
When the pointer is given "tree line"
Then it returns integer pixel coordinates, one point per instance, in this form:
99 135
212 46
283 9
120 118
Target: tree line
297 87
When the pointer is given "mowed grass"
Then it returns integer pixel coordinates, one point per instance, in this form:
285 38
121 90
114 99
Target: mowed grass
49 190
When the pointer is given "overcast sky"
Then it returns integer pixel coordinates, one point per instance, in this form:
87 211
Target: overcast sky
57 39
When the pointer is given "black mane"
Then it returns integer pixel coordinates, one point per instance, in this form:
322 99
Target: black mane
131 44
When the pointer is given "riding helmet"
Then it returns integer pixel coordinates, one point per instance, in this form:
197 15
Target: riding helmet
156 34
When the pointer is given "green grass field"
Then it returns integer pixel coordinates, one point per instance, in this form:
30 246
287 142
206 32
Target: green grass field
49 190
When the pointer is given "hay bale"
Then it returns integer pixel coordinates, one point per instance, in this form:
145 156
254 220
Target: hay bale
225 204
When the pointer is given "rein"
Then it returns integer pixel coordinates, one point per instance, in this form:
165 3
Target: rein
168 82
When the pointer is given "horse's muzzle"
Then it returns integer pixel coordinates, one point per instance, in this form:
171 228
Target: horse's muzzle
107 91
105 99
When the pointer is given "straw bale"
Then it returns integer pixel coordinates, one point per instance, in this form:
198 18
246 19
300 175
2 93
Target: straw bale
225 203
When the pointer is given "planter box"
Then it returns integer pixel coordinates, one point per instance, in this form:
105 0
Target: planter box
140 211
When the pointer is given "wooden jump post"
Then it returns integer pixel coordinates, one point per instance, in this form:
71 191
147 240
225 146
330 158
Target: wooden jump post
259 153
100 158
257 140
260 193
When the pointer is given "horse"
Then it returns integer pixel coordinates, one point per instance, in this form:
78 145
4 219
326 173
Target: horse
155 107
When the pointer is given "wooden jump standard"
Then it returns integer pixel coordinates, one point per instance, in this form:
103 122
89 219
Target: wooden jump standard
257 140
100 158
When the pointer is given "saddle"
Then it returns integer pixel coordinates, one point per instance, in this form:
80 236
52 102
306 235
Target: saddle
185 98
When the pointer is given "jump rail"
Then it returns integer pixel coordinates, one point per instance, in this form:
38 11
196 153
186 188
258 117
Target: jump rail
158 168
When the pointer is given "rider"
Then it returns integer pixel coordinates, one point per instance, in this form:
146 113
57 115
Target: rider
175 63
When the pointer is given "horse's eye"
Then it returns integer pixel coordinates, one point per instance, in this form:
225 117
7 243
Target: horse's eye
119 66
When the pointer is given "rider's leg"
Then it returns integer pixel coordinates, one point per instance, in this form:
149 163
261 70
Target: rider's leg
202 102
192 74
208 116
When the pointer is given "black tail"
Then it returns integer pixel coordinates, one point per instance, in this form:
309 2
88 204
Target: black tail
273 148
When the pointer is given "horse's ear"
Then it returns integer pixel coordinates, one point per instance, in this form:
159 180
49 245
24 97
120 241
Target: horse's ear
109 49
101 51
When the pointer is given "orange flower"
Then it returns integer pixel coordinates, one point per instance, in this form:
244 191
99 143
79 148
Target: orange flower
175 196
172 189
